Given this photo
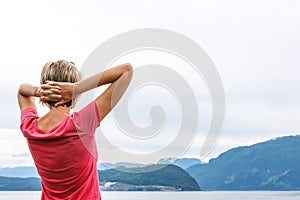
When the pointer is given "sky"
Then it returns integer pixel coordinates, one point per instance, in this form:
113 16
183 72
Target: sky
253 44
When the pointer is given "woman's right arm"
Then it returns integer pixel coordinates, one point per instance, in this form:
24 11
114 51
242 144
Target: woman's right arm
119 77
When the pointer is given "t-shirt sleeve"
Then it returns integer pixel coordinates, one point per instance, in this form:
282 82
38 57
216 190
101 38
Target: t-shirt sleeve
28 115
87 119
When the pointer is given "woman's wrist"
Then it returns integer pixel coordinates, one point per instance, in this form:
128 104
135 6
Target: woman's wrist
82 86
28 90
76 89
37 91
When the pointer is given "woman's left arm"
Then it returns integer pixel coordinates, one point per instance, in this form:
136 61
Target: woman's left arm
26 95
27 92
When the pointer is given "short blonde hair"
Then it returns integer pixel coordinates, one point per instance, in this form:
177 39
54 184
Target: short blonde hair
60 71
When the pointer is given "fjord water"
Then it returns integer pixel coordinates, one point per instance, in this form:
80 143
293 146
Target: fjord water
232 195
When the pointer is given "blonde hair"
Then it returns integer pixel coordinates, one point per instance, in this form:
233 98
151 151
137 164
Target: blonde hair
60 71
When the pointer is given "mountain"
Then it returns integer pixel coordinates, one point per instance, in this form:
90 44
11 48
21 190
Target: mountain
20 172
104 166
184 163
27 172
270 165
149 178
19 184
154 175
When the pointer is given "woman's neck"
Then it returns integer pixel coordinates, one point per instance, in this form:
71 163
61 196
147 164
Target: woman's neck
53 118
61 111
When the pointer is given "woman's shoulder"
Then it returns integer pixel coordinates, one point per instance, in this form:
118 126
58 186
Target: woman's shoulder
87 118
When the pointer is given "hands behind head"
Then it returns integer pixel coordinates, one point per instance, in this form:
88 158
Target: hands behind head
59 92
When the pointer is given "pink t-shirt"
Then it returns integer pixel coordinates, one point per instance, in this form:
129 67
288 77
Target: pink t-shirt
66 156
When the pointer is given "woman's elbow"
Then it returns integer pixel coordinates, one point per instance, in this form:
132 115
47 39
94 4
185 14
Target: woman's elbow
128 67
21 88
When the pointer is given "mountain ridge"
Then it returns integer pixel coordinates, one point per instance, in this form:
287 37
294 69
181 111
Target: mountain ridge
30 171
269 165
149 178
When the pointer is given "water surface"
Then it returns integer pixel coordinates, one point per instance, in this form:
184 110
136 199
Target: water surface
230 195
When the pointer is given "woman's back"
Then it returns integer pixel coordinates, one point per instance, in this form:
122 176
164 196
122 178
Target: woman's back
65 156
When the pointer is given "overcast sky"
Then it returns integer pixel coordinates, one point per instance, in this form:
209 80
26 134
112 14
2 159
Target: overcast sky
254 45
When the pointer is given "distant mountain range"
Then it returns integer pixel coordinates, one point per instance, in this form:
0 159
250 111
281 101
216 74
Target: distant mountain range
271 165
20 172
184 163
104 166
149 178
26 172
19 184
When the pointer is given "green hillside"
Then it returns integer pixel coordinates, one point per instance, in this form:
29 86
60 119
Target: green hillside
163 175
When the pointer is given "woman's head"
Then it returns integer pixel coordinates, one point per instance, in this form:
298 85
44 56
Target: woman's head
60 71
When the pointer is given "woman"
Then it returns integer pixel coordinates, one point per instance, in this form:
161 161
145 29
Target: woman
62 144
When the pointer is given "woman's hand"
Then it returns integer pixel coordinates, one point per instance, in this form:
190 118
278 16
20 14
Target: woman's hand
60 92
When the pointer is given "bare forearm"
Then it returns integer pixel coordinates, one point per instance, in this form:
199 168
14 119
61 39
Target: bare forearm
120 86
28 90
103 78
26 95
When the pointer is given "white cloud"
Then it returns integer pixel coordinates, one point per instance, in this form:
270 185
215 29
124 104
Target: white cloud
14 149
